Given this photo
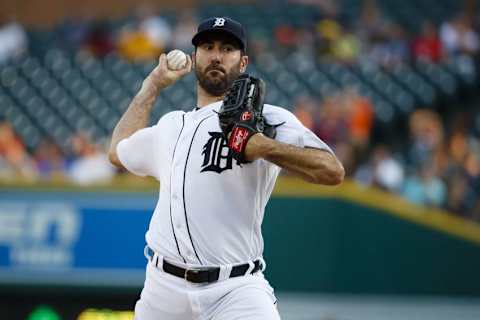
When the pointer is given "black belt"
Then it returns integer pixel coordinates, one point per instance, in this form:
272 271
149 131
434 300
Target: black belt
207 275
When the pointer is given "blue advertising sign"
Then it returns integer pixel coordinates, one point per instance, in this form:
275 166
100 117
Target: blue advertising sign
63 238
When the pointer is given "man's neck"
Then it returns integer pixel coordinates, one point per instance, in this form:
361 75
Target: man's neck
204 98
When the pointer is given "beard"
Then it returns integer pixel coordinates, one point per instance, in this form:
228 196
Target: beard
215 80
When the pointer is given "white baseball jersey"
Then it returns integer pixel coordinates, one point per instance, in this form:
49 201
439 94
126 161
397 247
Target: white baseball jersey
210 208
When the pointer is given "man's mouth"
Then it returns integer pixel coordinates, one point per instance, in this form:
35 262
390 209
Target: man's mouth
216 70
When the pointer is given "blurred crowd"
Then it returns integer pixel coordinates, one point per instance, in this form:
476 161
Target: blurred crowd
370 37
438 165
374 38
86 163
141 37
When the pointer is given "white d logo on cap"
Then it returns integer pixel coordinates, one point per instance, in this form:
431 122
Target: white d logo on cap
219 22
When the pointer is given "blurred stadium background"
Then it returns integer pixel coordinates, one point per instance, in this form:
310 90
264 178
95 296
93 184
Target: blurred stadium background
392 85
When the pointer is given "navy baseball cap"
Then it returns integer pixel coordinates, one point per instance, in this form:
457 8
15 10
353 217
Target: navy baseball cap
221 24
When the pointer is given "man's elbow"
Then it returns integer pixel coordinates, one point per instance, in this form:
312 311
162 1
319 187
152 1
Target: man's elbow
332 175
113 158
337 174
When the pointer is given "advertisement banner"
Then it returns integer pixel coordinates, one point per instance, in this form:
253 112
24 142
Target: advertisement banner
73 238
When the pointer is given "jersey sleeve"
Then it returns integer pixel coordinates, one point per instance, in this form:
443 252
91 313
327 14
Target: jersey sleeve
292 131
138 153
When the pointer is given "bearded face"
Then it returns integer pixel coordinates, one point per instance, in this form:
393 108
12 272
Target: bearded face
219 61
215 79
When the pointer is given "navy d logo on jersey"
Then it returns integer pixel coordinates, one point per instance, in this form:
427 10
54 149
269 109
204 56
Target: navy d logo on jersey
217 155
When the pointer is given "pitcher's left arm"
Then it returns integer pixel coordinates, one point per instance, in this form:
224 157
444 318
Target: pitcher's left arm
311 164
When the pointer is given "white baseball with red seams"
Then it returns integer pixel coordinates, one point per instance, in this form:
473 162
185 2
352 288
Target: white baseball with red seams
176 60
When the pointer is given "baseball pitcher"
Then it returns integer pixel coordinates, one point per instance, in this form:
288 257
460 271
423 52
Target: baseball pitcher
217 165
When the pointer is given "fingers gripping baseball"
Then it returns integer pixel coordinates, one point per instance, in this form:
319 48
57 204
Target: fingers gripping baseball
163 75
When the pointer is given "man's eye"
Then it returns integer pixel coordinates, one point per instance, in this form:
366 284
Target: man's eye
228 49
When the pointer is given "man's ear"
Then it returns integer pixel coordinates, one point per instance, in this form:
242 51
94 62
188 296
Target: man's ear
243 63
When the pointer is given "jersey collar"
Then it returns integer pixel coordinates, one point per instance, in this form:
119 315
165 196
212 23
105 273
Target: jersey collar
207 109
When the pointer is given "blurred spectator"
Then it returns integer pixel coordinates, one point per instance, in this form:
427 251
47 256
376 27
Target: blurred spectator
383 170
345 47
384 43
73 32
398 46
99 40
461 198
424 187
90 164
360 117
184 28
458 37
372 23
426 134
147 38
305 111
472 166
13 39
136 46
328 31
427 46
462 171
332 125
50 162
389 47
14 159
286 37
154 26
343 116
458 147
306 44
344 120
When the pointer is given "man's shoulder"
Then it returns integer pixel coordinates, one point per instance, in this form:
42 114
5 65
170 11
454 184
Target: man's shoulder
171 116
276 114
270 108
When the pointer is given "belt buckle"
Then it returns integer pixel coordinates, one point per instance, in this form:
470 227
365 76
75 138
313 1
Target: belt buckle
185 276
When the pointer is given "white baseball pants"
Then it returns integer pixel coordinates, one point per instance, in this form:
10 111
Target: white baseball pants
167 297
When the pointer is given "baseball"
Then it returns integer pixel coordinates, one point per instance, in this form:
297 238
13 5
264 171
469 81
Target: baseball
176 59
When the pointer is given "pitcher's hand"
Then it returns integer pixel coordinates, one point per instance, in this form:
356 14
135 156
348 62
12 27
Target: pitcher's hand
162 77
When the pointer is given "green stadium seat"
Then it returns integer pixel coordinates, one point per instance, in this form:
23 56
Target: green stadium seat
422 90
438 77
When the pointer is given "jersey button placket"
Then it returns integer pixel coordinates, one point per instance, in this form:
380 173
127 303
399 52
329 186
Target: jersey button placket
176 196
178 217
190 255
175 199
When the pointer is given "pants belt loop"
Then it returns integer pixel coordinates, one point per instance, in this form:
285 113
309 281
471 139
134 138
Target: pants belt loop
264 264
156 259
251 265
153 257
225 271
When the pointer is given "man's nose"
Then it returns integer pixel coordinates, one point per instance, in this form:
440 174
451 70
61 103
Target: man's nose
215 56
